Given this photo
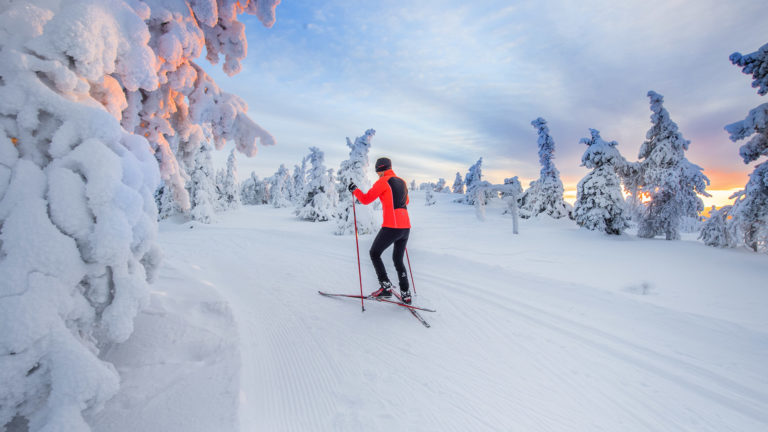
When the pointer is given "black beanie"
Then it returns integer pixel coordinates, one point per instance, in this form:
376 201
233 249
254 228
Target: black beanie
383 164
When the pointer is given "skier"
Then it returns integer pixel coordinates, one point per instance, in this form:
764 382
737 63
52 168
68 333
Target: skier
393 193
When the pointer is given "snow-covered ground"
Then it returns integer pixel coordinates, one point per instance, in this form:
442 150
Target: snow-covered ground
554 329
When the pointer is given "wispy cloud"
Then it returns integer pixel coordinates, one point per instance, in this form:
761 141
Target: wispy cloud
445 82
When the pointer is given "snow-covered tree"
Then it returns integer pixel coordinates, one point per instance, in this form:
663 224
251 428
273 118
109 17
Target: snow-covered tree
355 170
458 184
629 173
166 206
479 201
280 188
510 192
440 185
228 190
716 231
78 221
427 186
512 188
430 198
413 185
319 199
599 203
750 209
472 180
334 186
186 107
77 214
671 181
254 191
299 181
202 187
545 195
248 189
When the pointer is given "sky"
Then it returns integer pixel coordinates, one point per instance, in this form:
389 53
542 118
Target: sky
447 82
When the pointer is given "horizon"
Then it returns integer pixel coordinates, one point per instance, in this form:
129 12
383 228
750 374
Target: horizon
444 84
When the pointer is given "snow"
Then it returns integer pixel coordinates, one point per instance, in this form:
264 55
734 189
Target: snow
555 329
77 222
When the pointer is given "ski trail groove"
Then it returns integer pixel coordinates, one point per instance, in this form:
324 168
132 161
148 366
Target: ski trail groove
720 388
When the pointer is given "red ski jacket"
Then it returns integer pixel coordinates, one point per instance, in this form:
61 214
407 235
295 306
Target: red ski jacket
393 193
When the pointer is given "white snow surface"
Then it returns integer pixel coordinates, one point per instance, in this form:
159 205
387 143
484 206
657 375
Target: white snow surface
555 329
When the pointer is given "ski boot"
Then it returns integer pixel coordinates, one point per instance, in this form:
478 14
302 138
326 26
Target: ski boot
405 296
384 292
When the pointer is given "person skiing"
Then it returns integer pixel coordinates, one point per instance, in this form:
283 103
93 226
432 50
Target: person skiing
392 191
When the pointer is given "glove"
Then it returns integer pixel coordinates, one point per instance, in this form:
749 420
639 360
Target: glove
352 187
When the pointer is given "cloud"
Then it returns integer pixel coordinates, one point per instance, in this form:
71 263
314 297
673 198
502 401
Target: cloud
446 82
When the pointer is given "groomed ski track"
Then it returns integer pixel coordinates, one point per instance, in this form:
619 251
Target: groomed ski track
508 350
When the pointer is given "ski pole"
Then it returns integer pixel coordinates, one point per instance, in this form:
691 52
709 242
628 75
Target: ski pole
357 245
413 284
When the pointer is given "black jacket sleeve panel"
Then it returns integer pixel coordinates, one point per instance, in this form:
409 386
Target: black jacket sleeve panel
399 192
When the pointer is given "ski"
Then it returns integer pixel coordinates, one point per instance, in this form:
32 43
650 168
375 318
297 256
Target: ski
357 296
412 309
413 312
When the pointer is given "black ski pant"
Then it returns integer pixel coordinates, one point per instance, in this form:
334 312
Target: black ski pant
385 238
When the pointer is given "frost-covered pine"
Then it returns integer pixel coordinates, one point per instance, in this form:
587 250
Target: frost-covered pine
78 221
166 205
671 181
458 184
750 209
599 203
319 198
227 185
481 190
716 230
629 173
429 197
202 187
187 108
355 170
510 192
440 185
545 195
512 188
472 180
299 182
427 186
254 191
280 188
248 189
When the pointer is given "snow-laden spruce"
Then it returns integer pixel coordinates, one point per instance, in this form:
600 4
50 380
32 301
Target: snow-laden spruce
429 198
166 206
441 186
254 191
299 181
716 230
510 192
319 198
355 170
599 203
458 184
227 185
671 181
280 188
750 209
473 180
187 108
77 215
202 187
545 195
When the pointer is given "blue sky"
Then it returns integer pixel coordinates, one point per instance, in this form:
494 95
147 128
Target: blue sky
447 82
